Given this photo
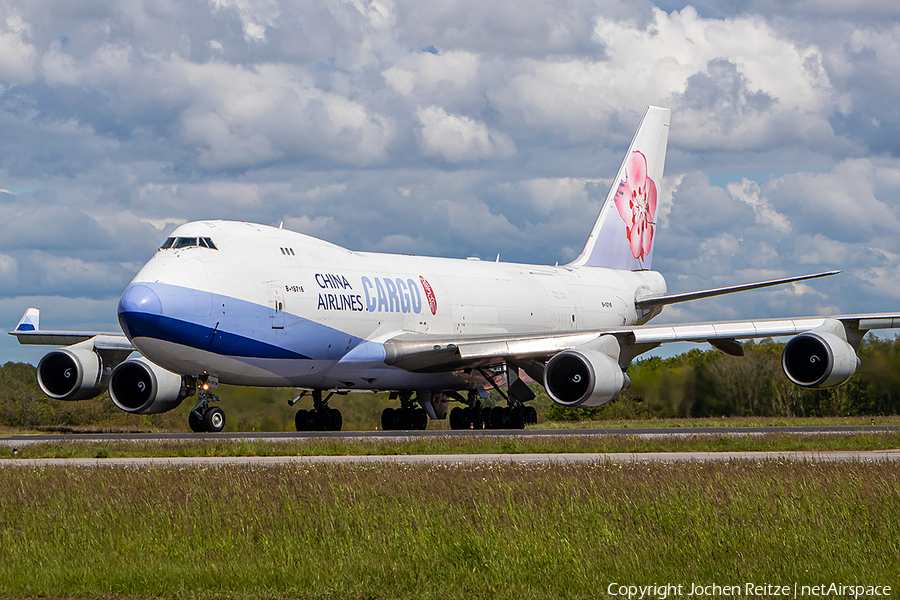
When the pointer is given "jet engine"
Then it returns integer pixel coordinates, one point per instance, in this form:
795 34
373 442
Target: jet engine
138 386
71 374
818 360
583 378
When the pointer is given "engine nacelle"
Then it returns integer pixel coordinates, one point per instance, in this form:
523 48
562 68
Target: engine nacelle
818 360
583 378
71 374
138 386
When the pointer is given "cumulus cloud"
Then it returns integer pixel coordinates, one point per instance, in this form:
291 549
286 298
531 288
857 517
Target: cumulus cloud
17 56
547 194
459 128
737 82
9 268
843 203
426 72
255 15
749 192
456 138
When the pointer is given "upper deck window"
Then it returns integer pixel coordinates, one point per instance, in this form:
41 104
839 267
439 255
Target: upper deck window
188 242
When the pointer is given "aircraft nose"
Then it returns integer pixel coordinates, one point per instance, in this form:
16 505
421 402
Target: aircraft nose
139 311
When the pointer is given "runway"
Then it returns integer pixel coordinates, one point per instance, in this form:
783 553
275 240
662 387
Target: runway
19 440
625 458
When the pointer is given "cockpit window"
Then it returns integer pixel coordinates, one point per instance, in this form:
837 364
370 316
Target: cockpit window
188 242
184 242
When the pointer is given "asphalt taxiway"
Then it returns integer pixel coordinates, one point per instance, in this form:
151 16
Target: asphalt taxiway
44 438
458 459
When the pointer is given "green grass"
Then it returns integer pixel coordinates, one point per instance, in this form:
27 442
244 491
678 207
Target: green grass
477 444
521 532
722 422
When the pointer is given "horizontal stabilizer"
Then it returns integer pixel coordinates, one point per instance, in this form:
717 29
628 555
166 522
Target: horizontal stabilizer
29 333
662 300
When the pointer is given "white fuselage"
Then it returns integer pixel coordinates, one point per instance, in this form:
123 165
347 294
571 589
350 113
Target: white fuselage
272 307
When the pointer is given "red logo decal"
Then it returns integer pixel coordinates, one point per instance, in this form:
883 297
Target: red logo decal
429 293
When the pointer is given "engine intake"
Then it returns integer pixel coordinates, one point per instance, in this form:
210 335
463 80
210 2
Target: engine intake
583 378
139 386
71 374
818 360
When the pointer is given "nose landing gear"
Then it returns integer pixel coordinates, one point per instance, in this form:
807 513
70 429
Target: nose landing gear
204 418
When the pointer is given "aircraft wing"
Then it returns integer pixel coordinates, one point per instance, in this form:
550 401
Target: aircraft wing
28 332
425 353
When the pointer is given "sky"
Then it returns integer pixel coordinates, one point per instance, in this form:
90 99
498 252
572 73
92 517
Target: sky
454 128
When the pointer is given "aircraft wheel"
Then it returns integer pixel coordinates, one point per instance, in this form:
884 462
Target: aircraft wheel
387 419
532 415
214 420
498 419
467 418
456 417
316 420
483 418
333 419
195 422
301 420
421 419
401 419
516 419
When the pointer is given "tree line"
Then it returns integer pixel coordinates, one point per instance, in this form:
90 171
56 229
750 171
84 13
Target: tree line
707 383
695 384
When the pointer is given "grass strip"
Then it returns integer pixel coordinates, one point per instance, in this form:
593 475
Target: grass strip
410 531
722 422
479 444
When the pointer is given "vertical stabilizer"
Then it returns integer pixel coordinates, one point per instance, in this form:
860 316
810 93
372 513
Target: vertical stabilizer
625 231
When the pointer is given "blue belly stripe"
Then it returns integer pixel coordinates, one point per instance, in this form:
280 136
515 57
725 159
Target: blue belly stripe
139 324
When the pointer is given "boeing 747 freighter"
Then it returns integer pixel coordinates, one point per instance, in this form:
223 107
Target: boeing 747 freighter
252 305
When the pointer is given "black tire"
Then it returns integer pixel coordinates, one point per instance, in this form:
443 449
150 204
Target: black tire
402 418
482 418
497 417
301 420
421 419
456 418
467 420
195 422
334 419
532 415
387 419
214 420
516 418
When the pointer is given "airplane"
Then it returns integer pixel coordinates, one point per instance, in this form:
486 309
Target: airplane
253 305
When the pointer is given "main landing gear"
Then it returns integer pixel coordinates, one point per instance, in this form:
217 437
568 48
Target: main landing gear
515 415
320 418
206 418
405 417
498 417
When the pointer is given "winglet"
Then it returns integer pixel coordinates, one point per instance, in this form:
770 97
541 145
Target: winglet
30 321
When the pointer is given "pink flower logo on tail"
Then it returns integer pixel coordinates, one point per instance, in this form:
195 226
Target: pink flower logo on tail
636 201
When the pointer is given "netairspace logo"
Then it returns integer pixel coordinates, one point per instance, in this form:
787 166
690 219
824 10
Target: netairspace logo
661 591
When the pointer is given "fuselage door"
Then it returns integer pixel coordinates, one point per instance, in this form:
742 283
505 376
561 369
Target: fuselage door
276 307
